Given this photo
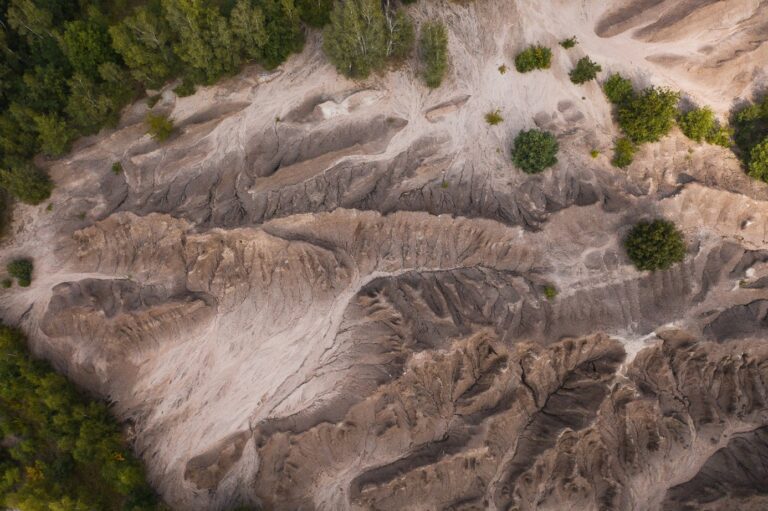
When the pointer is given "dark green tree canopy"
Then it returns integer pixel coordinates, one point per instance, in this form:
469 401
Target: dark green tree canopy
362 36
68 67
655 245
618 89
60 451
534 150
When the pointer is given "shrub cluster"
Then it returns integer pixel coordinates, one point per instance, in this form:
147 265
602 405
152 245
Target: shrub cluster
60 451
623 153
655 245
648 115
751 137
534 150
618 89
700 124
433 48
159 127
535 57
363 36
758 161
584 71
643 116
21 270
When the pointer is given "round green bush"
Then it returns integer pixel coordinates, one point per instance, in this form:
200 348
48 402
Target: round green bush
618 89
655 245
584 71
534 151
21 270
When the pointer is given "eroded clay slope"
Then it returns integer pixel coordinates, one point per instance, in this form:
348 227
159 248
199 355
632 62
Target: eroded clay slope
325 294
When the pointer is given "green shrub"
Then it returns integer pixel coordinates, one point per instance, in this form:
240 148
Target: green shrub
21 270
655 245
584 71
494 117
117 167
550 292
434 52
750 128
160 127
758 161
701 125
26 182
594 153
721 136
623 153
185 88
648 116
534 150
618 89
535 57
569 43
7 283
502 69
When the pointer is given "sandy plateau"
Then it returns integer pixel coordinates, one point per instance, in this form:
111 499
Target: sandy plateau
326 294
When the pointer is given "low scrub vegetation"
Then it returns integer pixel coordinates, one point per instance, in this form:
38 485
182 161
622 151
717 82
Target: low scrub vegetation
433 50
701 125
584 71
623 153
618 89
569 43
655 245
535 57
21 270
758 161
60 451
534 150
643 116
750 137
362 37
159 127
